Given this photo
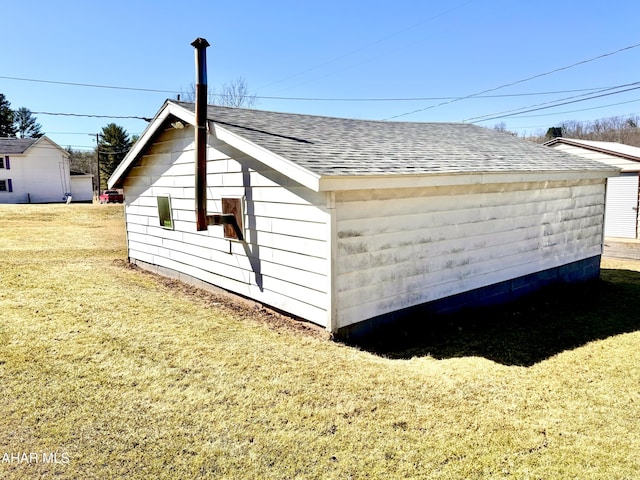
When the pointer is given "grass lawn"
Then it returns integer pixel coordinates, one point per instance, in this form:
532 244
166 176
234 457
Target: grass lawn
122 374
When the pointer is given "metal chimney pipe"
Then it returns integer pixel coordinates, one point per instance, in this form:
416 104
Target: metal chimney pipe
200 45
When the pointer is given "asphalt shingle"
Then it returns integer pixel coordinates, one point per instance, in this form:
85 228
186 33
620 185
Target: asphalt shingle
14 146
331 146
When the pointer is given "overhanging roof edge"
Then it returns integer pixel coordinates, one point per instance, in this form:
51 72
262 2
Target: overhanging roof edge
168 110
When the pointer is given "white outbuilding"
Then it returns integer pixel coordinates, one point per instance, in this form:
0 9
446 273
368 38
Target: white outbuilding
36 170
621 212
350 223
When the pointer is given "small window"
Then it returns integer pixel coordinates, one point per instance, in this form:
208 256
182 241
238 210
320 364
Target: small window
164 212
3 185
1 162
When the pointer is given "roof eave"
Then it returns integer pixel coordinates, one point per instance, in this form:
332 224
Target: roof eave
172 110
343 183
168 110
593 148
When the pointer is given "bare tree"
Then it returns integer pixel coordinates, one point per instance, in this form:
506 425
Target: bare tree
502 128
234 94
189 95
614 129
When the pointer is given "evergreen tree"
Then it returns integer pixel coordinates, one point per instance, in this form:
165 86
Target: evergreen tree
7 128
112 148
554 132
25 124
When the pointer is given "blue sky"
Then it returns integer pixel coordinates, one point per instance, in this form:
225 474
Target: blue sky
347 49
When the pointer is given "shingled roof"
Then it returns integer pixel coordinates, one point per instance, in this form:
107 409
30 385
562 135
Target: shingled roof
15 146
340 146
622 150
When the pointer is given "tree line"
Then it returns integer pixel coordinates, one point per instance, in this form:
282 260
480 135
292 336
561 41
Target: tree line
622 129
615 129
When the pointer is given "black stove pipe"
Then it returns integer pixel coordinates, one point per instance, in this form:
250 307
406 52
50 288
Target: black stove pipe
200 44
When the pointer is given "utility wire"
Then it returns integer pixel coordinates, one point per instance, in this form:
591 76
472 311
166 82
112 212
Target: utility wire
582 62
306 99
557 105
578 110
74 84
551 103
146 119
414 99
614 117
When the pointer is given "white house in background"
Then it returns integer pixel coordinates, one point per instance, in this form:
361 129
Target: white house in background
36 170
353 223
621 212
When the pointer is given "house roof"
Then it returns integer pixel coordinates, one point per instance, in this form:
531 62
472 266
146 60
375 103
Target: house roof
15 146
612 148
19 146
312 149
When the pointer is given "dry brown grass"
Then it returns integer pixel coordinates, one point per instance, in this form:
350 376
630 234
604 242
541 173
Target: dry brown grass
130 377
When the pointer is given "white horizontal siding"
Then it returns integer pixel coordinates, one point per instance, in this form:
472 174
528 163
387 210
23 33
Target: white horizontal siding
283 262
287 301
406 248
621 216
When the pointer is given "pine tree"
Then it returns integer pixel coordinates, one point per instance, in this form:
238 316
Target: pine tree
25 124
7 128
112 148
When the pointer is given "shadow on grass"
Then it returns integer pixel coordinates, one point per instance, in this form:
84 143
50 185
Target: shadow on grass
523 332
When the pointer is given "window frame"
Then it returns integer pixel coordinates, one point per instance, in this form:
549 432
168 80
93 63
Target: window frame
165 212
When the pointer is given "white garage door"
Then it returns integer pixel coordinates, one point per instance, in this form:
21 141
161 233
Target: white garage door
621 210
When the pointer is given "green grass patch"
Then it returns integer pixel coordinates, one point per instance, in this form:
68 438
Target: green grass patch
127 375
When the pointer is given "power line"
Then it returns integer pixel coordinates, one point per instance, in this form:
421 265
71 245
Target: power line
91 85
556 70
551 103
69 133
146 119
304 99
557 105
579 110
415 99
80 133
614 117
88 147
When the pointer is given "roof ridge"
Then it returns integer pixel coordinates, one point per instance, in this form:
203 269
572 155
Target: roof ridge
316 116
